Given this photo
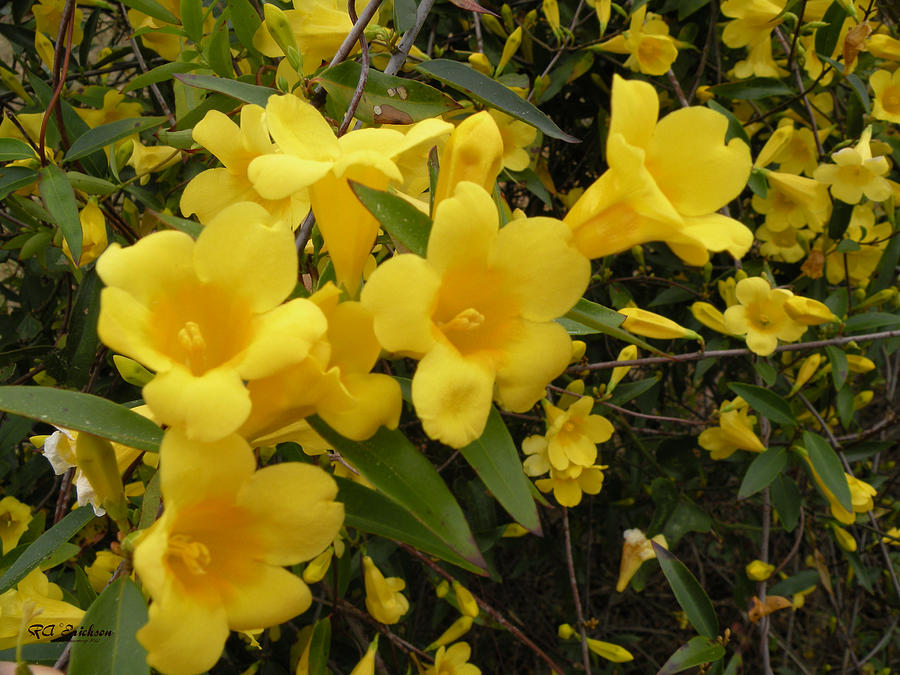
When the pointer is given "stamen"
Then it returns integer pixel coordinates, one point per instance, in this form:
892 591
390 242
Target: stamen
191 340
468 319
193 554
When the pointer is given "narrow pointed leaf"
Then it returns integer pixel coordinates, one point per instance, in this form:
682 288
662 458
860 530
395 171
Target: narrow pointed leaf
59 198
490 92
688 592
404 221
696 652
82 412
99 137
12 149
589 318
114 618
15 177
242 91
395 467
828 465
496 461
160 74
44 546
765 402
764 469
152 8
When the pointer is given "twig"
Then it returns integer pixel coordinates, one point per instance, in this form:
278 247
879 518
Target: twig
61 56
157 94
409 38
678 91
363 72
305 231
359 27
573 584
659 418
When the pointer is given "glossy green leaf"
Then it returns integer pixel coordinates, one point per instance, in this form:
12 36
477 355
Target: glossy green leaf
114 618
765 402
82 412
395 467
90 184
628 391
372 512
192 19
840 218
827 36
490 92
320 646
696 652
99 137
245 21
12 149
828 465
44 546
871 321
795 583
589 318
160 74
59 198
752 89
404 221
150 502
13 178
496 460
46 653
844 405
152 8
242 91
764 469
218 53
839 366
688 592
386 99
786 500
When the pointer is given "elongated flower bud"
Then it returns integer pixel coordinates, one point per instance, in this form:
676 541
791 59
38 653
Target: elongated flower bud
474 152
641 322
629 353
97 460
280 29
317 568
509 50
709 316
457 629
808 311
807 369
467 604
366 665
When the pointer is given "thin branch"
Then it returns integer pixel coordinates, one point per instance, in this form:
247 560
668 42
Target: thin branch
363 73
573 584
157 94
409 38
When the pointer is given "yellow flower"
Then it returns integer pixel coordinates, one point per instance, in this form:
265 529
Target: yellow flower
14 519
786 245
861 494
892 536
474 152
636 550
456 630
641 322
101 570
468 606
478 312
856 172
47 17
114 108
568 484
751 26
93 234
206 315
759 570
793 202
609 651
453 661
651 49
214 561
37 604
761 316
735 431
313 159
537 462
212 190
665 181
384 601
709 316
333 382
146 160
573 434
872 239
516 137
883 46
796 150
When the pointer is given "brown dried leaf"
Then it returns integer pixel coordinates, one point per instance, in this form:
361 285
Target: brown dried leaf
472 6
772 604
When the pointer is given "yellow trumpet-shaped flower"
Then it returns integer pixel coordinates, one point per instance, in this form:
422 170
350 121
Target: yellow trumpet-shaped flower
793 202
474 152
761 316
735 431
651 49
214 561
856 172
115 107
573 434
384 601
14 519
569 484
478 312
872 237
36 605
49 13
887 95
636 550
312 158
861 494
666 181
93 234
206 315
751 26
453 660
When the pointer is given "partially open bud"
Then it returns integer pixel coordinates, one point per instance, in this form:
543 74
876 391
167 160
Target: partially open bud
808 311
474 152
457 629
316 569
466 601
565 631
97 461
759 570
609 651
481 63
636 549
627 354
641 322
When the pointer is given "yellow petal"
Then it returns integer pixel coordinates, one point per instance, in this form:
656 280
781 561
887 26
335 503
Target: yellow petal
269 597
282 337
299 129
473 153
124 326
538 354
136 269
376 402
635 108
279 176
465 228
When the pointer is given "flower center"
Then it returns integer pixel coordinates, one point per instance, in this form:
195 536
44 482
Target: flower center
468 319
190 337
568 427
193 554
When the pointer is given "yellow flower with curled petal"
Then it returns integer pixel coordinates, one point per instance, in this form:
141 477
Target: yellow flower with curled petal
212 190
35 604
735 431
14 519
312 158
93 234
636 550
793 202
151 159
384 601
797 152
115 107
214 561
573 434
856 172
665 182
478 311
453 660
761 316
206 315
568 485
651 49
751 26
861 494
788 245
872 237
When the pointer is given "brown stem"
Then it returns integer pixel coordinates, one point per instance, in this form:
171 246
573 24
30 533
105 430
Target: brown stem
573 584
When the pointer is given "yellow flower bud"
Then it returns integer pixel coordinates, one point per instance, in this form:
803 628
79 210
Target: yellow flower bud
481 63
565 631
366 665
317 568
457 629
609 651
807 369
442 589
808 311
493 24
759 571
514 530
280 29
474 152
509 50
627 354
97 460
551 13
709 316
641 322
132 371
635 551
859 364
93 234
466 601
881 297
604 10
844 539
578 349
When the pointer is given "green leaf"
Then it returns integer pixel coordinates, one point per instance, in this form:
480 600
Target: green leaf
99 137
12 149
827 36
828 465
696 652
44 546
752 89
82 412
82 341
795 583
735 128
191 227
766 371
840 218
765 402
152 8
242 91
627 391
386 99
786 500
59 198
150 502
589 318
395 467
871 321
404 221
764 469
160 74
13 178
218 53
320 646
495 458
48 653
90 184
245 21
839 366
490 92
844 405
688 592
372 512
114 618
192 19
